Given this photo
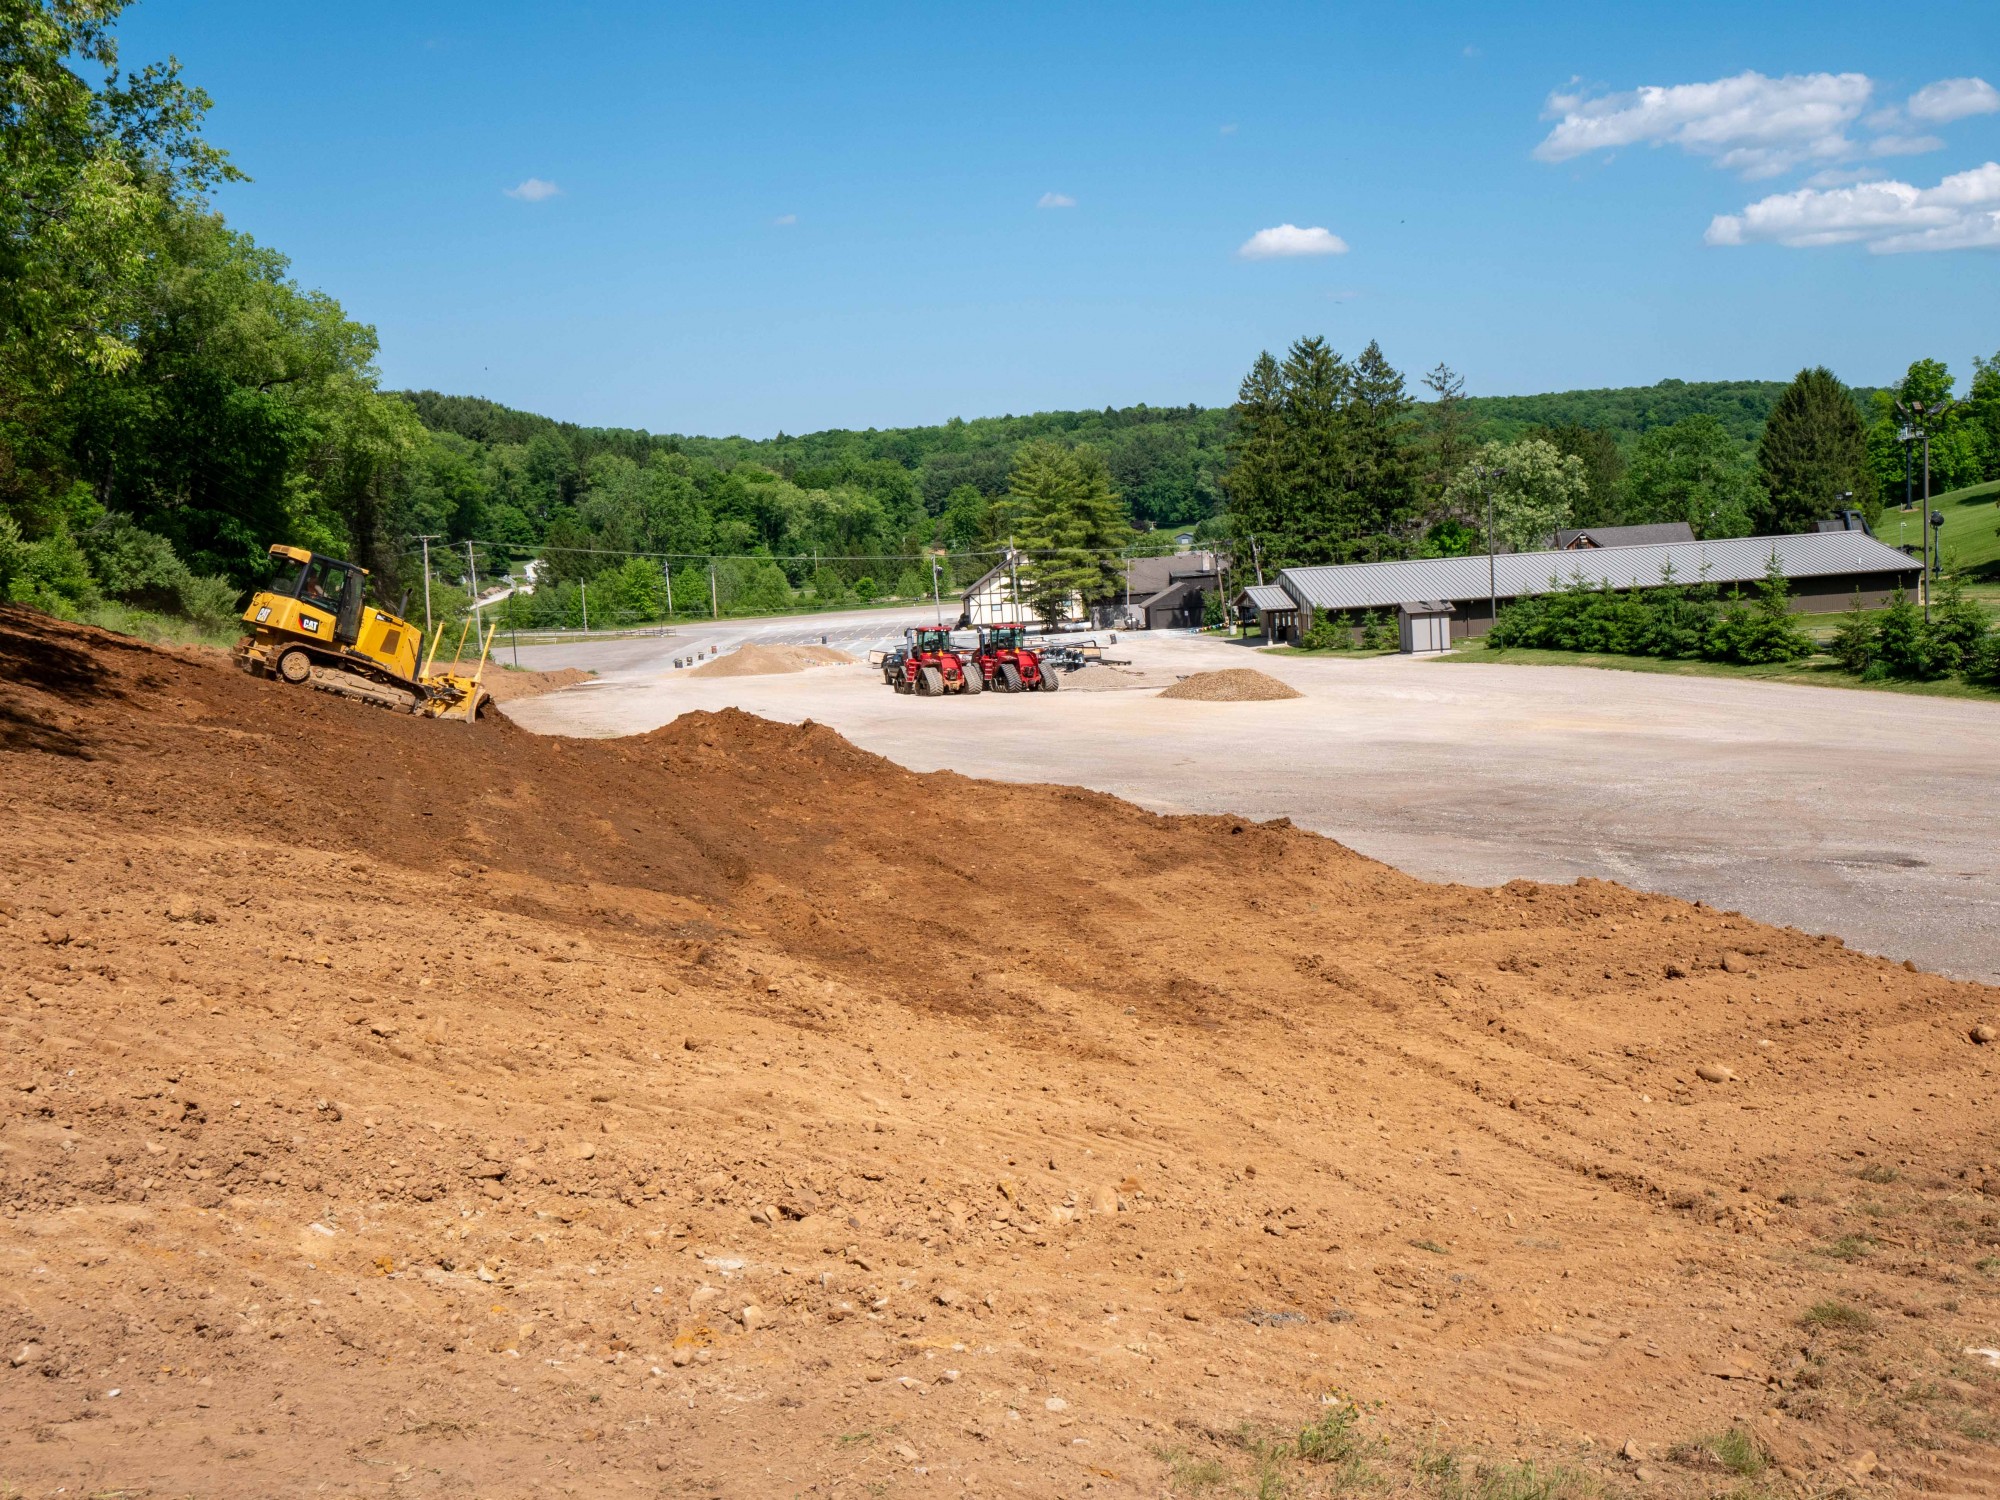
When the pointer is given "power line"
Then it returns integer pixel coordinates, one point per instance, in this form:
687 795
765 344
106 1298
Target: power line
779 557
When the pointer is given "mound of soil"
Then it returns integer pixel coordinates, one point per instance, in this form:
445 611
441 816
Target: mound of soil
396 1106
508 685
764 661
1232 685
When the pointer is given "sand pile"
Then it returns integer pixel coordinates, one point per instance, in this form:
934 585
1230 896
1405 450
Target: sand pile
764 661
391 1104
1232 685
508 685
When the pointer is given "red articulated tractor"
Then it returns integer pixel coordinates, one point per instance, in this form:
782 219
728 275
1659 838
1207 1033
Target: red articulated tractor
932 668
1007 663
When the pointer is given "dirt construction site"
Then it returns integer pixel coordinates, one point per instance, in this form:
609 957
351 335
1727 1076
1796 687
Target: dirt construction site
391 1107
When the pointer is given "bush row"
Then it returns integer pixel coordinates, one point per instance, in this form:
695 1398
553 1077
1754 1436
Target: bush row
111 559
1688 623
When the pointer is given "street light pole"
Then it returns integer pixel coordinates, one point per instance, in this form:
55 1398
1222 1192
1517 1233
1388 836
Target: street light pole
1923 417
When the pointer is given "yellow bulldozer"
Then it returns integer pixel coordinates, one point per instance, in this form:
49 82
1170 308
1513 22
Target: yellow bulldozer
310 626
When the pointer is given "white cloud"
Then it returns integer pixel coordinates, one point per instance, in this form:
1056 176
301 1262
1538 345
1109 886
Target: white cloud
1961 212
1287 240
1750 124
1953 99
1055 200
784 221
1226 130
533 190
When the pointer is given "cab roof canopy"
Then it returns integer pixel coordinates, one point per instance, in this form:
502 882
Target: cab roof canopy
301 555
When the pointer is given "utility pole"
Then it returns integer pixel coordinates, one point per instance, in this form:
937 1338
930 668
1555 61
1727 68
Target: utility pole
427 540
667 567
1486 478
1014 581
1257 559
714 599
937 589
583 593
472 574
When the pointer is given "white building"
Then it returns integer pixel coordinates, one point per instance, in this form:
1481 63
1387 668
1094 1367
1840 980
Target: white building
991 600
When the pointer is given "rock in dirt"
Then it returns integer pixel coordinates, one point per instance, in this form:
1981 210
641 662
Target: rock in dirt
1714 1073
1232 685
1983 1034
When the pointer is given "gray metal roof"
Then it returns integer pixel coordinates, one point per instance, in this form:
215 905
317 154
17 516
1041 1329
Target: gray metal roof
1736 560
1268 596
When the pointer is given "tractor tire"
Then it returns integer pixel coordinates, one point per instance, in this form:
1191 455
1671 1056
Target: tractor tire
1050 682
1010 678
975 680
930 682
295 667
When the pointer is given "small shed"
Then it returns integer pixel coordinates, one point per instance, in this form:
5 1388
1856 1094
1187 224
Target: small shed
1425 625
1272 610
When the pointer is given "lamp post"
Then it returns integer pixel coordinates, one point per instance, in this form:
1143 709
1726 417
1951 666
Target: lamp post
1486 478
1923 416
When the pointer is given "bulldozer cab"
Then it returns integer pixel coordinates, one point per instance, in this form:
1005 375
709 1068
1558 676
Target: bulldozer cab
324 583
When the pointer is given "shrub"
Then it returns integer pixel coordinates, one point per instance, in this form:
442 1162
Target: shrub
1379 632
1853 644
1333 1438
13 555
865 589
133 564
209 602
1984 666
1329 633
1958 624
1764 631
1905 646
51 574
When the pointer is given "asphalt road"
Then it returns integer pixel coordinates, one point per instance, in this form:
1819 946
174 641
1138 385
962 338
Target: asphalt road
1869 815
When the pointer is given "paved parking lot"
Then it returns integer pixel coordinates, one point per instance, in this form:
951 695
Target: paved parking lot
1871 815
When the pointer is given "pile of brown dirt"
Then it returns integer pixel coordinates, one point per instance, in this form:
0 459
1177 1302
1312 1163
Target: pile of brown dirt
765 661
395 1105
508 685
1232 685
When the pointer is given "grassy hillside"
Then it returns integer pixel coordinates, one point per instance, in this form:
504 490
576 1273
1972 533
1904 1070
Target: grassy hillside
1969 540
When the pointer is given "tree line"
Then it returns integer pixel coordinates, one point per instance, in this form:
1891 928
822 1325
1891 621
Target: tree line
1335 460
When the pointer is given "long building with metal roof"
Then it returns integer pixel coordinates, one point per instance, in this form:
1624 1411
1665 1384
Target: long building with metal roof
1824 570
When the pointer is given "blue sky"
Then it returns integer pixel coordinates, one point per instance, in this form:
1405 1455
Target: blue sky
802 216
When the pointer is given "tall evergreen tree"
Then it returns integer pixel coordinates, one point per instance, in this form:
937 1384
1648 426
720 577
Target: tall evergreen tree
1060 509
1382 461
1450 435
1813 449
1257 447
1313 480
